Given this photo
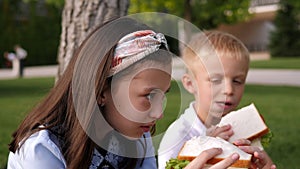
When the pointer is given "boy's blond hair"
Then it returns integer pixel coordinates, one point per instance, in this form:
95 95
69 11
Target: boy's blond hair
223 44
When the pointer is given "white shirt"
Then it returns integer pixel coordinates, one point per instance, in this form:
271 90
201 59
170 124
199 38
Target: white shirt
38 151
41 150
183 129
21 53
11 56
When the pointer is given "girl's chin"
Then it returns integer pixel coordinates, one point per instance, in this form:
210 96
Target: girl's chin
134 137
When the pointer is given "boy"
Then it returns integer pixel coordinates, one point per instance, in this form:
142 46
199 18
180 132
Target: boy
217 64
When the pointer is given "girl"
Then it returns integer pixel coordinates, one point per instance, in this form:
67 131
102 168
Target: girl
102 110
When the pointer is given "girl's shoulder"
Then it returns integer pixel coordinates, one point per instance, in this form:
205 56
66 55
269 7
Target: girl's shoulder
40 150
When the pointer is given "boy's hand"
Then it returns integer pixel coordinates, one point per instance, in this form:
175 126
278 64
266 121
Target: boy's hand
224 132
260 159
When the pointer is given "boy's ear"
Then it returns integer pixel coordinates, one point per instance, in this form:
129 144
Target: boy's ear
189 83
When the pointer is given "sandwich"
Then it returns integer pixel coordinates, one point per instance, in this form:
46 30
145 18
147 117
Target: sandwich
246 123
196 145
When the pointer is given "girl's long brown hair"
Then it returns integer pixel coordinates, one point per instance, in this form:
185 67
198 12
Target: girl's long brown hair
57 109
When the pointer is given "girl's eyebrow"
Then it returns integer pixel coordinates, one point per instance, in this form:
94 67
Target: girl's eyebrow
149 89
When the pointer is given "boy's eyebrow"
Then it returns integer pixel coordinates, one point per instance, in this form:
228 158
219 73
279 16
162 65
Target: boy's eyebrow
222 74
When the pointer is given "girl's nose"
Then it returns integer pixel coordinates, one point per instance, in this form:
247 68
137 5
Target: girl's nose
157 110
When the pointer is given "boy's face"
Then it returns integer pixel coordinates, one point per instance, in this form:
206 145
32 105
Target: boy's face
218 86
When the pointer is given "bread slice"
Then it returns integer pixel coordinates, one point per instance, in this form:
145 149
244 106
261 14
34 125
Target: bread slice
246 123
196 145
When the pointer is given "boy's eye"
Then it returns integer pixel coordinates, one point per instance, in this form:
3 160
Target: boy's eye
238 81
215 80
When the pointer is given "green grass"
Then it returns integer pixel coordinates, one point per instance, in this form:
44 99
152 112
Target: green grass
278 104
277 63
280 108
17 97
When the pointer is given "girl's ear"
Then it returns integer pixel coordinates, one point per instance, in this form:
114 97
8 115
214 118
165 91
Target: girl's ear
104 95
189 83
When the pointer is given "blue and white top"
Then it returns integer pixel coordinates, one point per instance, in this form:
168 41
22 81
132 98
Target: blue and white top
41 150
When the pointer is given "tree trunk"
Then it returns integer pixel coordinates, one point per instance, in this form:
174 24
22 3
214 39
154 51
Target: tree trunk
79 18
187 10
184 32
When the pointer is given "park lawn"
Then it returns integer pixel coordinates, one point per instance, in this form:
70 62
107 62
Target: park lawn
17 97
278 104
277 63
281 109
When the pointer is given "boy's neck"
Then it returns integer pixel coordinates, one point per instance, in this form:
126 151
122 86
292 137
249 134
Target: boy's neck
207 121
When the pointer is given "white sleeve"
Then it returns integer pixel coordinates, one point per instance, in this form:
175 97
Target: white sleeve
170 144
38 151
176 135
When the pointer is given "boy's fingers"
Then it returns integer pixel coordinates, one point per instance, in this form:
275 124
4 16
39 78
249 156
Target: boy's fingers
242 142
249 149
224 128
259 159
263 160
273 166
226 134
220 131
226 162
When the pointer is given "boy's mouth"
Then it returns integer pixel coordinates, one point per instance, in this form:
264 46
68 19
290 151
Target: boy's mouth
228 104
225 105
225 102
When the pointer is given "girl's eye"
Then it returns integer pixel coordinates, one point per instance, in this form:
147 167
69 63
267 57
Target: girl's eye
150 96
155 94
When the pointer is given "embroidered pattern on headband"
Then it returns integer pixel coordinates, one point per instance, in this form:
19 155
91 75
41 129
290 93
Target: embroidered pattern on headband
134 47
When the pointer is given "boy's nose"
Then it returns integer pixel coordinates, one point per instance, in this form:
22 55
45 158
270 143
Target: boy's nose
228 88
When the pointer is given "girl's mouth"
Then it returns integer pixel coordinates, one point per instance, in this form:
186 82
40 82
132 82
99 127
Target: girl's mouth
146 128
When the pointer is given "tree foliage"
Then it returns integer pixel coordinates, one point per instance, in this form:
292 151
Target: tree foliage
205 14
285 38
56 3
32 24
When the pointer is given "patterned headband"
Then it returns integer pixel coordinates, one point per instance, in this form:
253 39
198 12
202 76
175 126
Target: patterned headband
134 47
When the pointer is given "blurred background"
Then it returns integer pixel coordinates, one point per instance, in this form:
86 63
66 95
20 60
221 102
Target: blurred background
51 30
269 28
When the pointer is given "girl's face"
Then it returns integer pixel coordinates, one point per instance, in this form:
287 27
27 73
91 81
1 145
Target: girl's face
133 104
